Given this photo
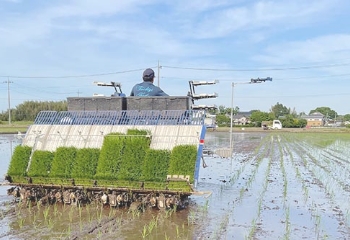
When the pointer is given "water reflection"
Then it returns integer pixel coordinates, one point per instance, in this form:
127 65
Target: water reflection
8 142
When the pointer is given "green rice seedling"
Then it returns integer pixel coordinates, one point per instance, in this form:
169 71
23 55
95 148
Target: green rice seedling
166 237
259 206
19 161
85 163
168 213
136 145
205 206
88 208
111 212
18 212
46 212
287 227
20 222
30 207
306 193
63 162
285 186
100 215
110 156
119 221
69 230
191 218
152 224
241 193
90 217
41 164
55 210
71 214
174 209
252 229
80 210
317 223
156 164
144 232
182 160
50 223
36 225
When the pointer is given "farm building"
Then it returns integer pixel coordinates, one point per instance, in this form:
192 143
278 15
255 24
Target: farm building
315 119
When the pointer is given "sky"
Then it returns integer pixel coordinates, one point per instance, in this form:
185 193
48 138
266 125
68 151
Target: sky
51 50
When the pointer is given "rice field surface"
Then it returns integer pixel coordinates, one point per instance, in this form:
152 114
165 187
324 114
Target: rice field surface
277 185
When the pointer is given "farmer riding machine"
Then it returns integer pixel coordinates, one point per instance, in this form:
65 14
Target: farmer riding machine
114 150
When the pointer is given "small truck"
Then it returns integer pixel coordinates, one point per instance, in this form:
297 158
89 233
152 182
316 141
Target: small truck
275 124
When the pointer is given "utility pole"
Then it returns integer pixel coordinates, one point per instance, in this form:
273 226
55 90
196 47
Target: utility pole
159 67
8 98
252 81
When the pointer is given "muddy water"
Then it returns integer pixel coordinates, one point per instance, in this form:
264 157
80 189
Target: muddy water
277 186
7 144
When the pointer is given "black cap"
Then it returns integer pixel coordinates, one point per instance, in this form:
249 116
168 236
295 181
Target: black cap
148 74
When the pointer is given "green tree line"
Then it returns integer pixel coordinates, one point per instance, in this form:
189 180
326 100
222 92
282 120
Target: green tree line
289 117
28 110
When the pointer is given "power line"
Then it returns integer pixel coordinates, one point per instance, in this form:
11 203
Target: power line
8 98
292 96
275 78
259 70
183 68
75 76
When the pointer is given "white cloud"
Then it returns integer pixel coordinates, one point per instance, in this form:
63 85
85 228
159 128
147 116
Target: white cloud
262 14
328 48
92 8
12 1
82 37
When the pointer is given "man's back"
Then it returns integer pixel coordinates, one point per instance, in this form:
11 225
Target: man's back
146 89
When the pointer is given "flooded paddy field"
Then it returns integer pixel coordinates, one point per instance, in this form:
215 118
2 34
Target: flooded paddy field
278 185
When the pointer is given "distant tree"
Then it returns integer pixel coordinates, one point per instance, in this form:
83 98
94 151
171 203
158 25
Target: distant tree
28 110
289 121
225 110
301 114
222 120
326 111
222 109
294 113
301 123
346 117
258 116
280 110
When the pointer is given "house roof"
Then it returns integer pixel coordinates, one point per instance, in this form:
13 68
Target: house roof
242 114
314 116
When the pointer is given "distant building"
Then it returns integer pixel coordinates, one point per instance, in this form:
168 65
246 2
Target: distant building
315 119
242 118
